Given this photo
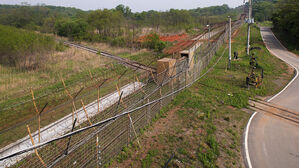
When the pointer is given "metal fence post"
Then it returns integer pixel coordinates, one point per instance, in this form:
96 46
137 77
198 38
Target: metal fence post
148 112
172 89
129 131
160 97
99 163
186 77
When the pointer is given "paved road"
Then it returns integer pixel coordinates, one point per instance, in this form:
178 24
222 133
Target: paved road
274 142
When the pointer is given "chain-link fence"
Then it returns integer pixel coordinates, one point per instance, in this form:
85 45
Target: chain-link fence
92 135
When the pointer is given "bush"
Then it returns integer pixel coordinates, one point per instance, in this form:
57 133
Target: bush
73 29
118 41
153 42
23 49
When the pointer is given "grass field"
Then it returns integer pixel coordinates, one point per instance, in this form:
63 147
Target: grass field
74 66
203 125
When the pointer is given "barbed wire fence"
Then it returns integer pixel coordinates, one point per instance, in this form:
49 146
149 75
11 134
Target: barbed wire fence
90 136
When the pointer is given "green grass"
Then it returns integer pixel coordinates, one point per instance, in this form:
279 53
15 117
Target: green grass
147 161
266 24
146 58
208 123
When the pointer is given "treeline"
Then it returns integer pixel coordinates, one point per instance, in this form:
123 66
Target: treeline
284 15
262 10
118 26
41 18
24 49
286 20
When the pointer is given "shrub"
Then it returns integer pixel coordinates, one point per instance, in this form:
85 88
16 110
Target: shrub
22 48
73 29
153 42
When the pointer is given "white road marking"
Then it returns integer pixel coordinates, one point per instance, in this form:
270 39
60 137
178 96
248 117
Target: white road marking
249 122
296 70
246 141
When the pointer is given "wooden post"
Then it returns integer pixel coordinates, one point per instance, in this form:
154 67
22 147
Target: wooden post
112 65
130 119
35 150
97 137
134 130
154 78
98 88
121 100
34 104
90 75
139 82
73 102
86 114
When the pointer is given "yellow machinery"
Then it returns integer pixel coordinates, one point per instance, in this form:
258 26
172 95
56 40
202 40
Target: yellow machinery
254 78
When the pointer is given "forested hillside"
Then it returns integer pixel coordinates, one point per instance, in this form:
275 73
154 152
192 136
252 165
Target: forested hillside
286 22
284 15
118 26
262 10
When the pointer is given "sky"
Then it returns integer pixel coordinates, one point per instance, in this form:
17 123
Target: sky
135 5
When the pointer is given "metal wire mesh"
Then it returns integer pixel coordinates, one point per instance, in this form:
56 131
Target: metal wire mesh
99 137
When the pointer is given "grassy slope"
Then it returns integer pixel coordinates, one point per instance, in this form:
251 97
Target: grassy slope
203 126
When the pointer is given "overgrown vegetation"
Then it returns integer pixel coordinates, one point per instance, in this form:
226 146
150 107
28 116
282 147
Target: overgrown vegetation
153 42
204 124
24 49
285 17
118 26
286 23
262 10
76 29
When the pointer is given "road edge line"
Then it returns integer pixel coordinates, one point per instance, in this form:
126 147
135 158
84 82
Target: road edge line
249 165
246 140
296 70
295 77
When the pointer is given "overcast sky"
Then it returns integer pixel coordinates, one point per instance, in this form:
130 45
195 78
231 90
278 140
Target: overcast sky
135 5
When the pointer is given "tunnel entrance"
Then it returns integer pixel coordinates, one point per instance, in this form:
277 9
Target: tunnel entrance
184 53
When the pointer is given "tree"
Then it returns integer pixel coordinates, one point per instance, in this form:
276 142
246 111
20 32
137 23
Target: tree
286 18
74 29
107 22
263 10
124 10
153 42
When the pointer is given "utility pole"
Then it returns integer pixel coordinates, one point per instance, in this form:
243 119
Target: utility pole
230 43
249 22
